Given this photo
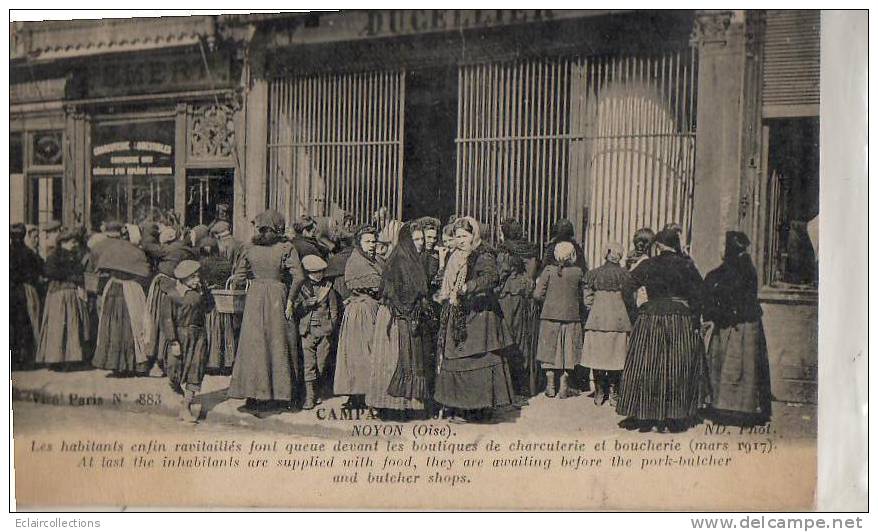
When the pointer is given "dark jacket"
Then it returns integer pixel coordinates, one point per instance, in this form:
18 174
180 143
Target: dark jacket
319 319
672 283
173 254
730 293
485 331
65 268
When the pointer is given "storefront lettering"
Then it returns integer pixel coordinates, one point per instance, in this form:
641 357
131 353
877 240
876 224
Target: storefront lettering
417 21
140 145
181 72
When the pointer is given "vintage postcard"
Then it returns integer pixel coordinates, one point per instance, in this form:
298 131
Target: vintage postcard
416 259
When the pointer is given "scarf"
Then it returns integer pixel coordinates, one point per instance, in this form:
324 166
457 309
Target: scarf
405 289
456 266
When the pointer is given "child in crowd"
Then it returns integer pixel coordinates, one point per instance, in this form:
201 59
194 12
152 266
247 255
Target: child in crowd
316 310
609 296
560 288
182 324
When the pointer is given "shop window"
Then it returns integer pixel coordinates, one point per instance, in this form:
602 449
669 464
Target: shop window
205 190
793 203
132 171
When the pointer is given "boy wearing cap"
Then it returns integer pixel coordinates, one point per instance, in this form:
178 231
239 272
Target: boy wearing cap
316 310
182 324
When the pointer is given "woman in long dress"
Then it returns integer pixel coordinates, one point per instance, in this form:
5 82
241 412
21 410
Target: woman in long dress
65 328
473 376
221 329
517 266
25 269
124 326
737 356
266 364
362 277
397 328
663 381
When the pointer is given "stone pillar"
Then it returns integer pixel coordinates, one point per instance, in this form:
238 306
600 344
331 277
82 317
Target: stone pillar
256 156
77 168
727 146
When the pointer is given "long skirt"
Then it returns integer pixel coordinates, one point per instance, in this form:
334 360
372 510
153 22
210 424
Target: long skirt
222 339
664 375
604 350
266 362
473 382
24 324
352 365
560 344
115 349
187 370
739 374
522 321
155 300
385 356
65 328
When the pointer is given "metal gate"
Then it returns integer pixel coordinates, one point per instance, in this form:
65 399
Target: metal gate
336 141
608 142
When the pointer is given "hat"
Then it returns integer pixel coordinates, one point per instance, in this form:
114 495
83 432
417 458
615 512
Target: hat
564 251
669 238
270 219
52 225
17 229
220 227
313 263
167 234
186 268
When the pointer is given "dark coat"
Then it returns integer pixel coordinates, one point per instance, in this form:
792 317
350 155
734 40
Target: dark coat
319 319
670 279
173 254
730 293
485 330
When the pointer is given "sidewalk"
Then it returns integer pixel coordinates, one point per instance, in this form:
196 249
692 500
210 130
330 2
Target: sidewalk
543 416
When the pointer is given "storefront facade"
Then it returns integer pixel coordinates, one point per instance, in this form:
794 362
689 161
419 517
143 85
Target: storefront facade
615 120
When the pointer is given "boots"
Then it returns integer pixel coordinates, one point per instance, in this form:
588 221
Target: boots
550 383
614 378
187 413
566 390
600 387
310 395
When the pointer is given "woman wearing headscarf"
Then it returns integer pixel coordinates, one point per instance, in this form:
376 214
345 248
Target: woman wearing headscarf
663 381
397 381
65 329
25 269
473 376
266 364
517 267
609 296
737 356
124 326
362 277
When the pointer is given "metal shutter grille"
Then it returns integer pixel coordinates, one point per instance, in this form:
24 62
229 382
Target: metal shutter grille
791 75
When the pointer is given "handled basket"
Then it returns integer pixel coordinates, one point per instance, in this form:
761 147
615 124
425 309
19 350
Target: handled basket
229 301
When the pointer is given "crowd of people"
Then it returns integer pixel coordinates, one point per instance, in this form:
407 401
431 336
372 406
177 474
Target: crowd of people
412 320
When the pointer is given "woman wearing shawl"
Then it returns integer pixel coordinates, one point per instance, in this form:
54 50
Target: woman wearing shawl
663 379
221 329
397 379
266 364
65 328
472 375
362 276
25 269
517 266
737 356
124 325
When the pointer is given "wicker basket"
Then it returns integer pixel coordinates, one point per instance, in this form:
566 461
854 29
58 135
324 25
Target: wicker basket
94 282
229 301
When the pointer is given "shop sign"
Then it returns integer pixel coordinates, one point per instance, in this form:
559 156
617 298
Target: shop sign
147 150
169 73
353 25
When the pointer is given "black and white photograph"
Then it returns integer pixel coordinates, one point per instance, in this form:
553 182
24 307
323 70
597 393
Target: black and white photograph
418 259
